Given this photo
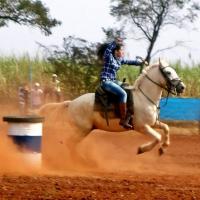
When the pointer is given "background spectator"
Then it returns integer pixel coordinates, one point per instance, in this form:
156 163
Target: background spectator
36 96
23 96
56 87
52 91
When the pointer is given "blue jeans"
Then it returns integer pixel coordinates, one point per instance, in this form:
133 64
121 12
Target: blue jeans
114 88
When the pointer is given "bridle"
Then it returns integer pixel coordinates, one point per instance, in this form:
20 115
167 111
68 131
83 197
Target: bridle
170 86
171 83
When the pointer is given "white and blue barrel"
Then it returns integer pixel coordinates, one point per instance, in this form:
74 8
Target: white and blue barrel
26 133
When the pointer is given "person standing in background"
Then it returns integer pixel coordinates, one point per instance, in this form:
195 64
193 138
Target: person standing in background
23 96
36 96
52 90
55 84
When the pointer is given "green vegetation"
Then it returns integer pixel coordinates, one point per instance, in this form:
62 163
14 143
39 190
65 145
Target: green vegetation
191 77
28 13
16 71
75 78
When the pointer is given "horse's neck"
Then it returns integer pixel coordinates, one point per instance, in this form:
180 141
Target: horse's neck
151 90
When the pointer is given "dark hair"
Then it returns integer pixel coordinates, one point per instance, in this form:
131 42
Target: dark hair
102 48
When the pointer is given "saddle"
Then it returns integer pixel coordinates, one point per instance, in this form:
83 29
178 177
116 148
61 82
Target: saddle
107 103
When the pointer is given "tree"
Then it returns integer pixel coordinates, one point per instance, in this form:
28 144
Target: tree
111 33
76 64
27 12
151 16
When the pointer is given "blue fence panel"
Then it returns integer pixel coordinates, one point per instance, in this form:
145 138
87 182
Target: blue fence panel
180 109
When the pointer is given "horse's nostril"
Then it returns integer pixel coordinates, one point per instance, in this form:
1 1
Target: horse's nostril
184 87
180 88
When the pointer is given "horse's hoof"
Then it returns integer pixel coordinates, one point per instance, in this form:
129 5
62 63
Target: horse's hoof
161 151
166 144
140 151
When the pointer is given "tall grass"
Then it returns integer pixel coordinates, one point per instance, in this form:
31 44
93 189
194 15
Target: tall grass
17 70
190 75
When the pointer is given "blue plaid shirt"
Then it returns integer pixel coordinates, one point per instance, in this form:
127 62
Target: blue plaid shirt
112 64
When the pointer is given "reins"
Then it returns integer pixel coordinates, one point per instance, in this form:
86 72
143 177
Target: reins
150 100
165 88
170 87
168 91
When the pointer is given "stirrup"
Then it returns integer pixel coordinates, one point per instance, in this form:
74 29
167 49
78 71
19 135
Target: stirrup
125 123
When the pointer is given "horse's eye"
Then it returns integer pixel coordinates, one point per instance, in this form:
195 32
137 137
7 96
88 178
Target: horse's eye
168 73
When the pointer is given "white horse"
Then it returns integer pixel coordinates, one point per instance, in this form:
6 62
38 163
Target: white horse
147 92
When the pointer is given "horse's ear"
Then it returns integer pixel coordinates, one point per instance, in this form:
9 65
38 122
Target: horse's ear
160 63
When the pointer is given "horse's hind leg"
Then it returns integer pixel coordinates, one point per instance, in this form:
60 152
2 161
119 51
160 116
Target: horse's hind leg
166 137
150 145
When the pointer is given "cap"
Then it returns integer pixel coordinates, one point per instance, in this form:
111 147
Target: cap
37 84
54 75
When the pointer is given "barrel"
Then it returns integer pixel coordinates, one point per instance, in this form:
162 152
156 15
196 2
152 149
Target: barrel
26 133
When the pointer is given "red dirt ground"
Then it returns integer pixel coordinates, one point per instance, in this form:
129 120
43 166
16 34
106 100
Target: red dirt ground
102 166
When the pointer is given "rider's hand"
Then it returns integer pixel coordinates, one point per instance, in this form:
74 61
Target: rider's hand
145 63
119 40
142 61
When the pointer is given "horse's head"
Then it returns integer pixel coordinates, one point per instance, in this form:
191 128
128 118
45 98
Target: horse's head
173 82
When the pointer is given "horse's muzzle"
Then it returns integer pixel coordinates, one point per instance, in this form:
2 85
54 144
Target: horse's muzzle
180 87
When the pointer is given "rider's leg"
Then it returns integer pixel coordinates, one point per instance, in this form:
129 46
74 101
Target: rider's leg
124 121
114 88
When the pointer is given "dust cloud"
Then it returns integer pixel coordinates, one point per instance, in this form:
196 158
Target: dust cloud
12 160
65 152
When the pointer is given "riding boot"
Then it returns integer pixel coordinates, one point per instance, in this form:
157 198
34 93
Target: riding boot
124 121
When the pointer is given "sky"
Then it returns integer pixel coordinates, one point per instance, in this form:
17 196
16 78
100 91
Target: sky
85 19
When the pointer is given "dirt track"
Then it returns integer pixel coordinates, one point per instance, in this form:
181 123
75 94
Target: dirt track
106 186
176 175
106 167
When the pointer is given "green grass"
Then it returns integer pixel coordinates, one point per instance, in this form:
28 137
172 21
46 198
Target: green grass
17 70
190 75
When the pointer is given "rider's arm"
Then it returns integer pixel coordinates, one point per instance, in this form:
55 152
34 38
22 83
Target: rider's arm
109 49
131 62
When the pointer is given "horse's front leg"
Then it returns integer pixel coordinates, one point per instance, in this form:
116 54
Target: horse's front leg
166 137
165 128
150 145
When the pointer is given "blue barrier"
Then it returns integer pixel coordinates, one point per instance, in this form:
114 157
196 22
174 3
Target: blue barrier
180 109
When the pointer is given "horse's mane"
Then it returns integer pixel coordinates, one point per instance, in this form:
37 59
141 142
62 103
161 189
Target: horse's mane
145 71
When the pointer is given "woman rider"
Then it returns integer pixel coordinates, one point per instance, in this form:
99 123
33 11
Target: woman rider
113 59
